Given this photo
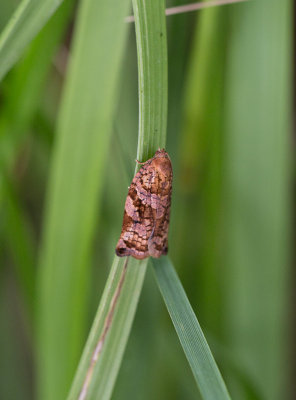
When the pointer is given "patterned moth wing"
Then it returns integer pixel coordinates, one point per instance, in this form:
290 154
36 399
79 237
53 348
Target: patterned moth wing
147 210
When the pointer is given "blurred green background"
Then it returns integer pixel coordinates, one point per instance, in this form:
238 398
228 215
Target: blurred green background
230 140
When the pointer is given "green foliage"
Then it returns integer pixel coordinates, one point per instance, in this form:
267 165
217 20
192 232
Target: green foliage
27 20
257 192
75 186
67 147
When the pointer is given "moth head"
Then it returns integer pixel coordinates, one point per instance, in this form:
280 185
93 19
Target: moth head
161 153
163 165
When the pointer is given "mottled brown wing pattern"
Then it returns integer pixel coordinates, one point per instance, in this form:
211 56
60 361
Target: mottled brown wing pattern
147 210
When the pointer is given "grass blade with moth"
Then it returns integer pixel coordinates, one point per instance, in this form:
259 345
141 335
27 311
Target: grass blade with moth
152 65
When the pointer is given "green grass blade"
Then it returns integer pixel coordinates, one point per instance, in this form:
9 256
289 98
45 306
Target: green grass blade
107 366
258 192
196 349
152 134
202 162
23 26
7 10
21 101
25 86
75 187
152 64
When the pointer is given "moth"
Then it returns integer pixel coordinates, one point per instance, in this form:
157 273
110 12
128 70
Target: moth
146 217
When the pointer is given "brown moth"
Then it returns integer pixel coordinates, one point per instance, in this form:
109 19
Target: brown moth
147 210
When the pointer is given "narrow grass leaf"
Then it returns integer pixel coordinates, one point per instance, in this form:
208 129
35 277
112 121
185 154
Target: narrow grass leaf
75 187
257 191
26 83
152 64
201 158
196 349
23 26
96 381
100 361
21 102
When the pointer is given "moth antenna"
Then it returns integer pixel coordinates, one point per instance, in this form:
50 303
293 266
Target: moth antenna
141 163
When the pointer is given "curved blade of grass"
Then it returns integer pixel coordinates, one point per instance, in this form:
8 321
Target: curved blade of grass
75 187
95 379
23 26
196 349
